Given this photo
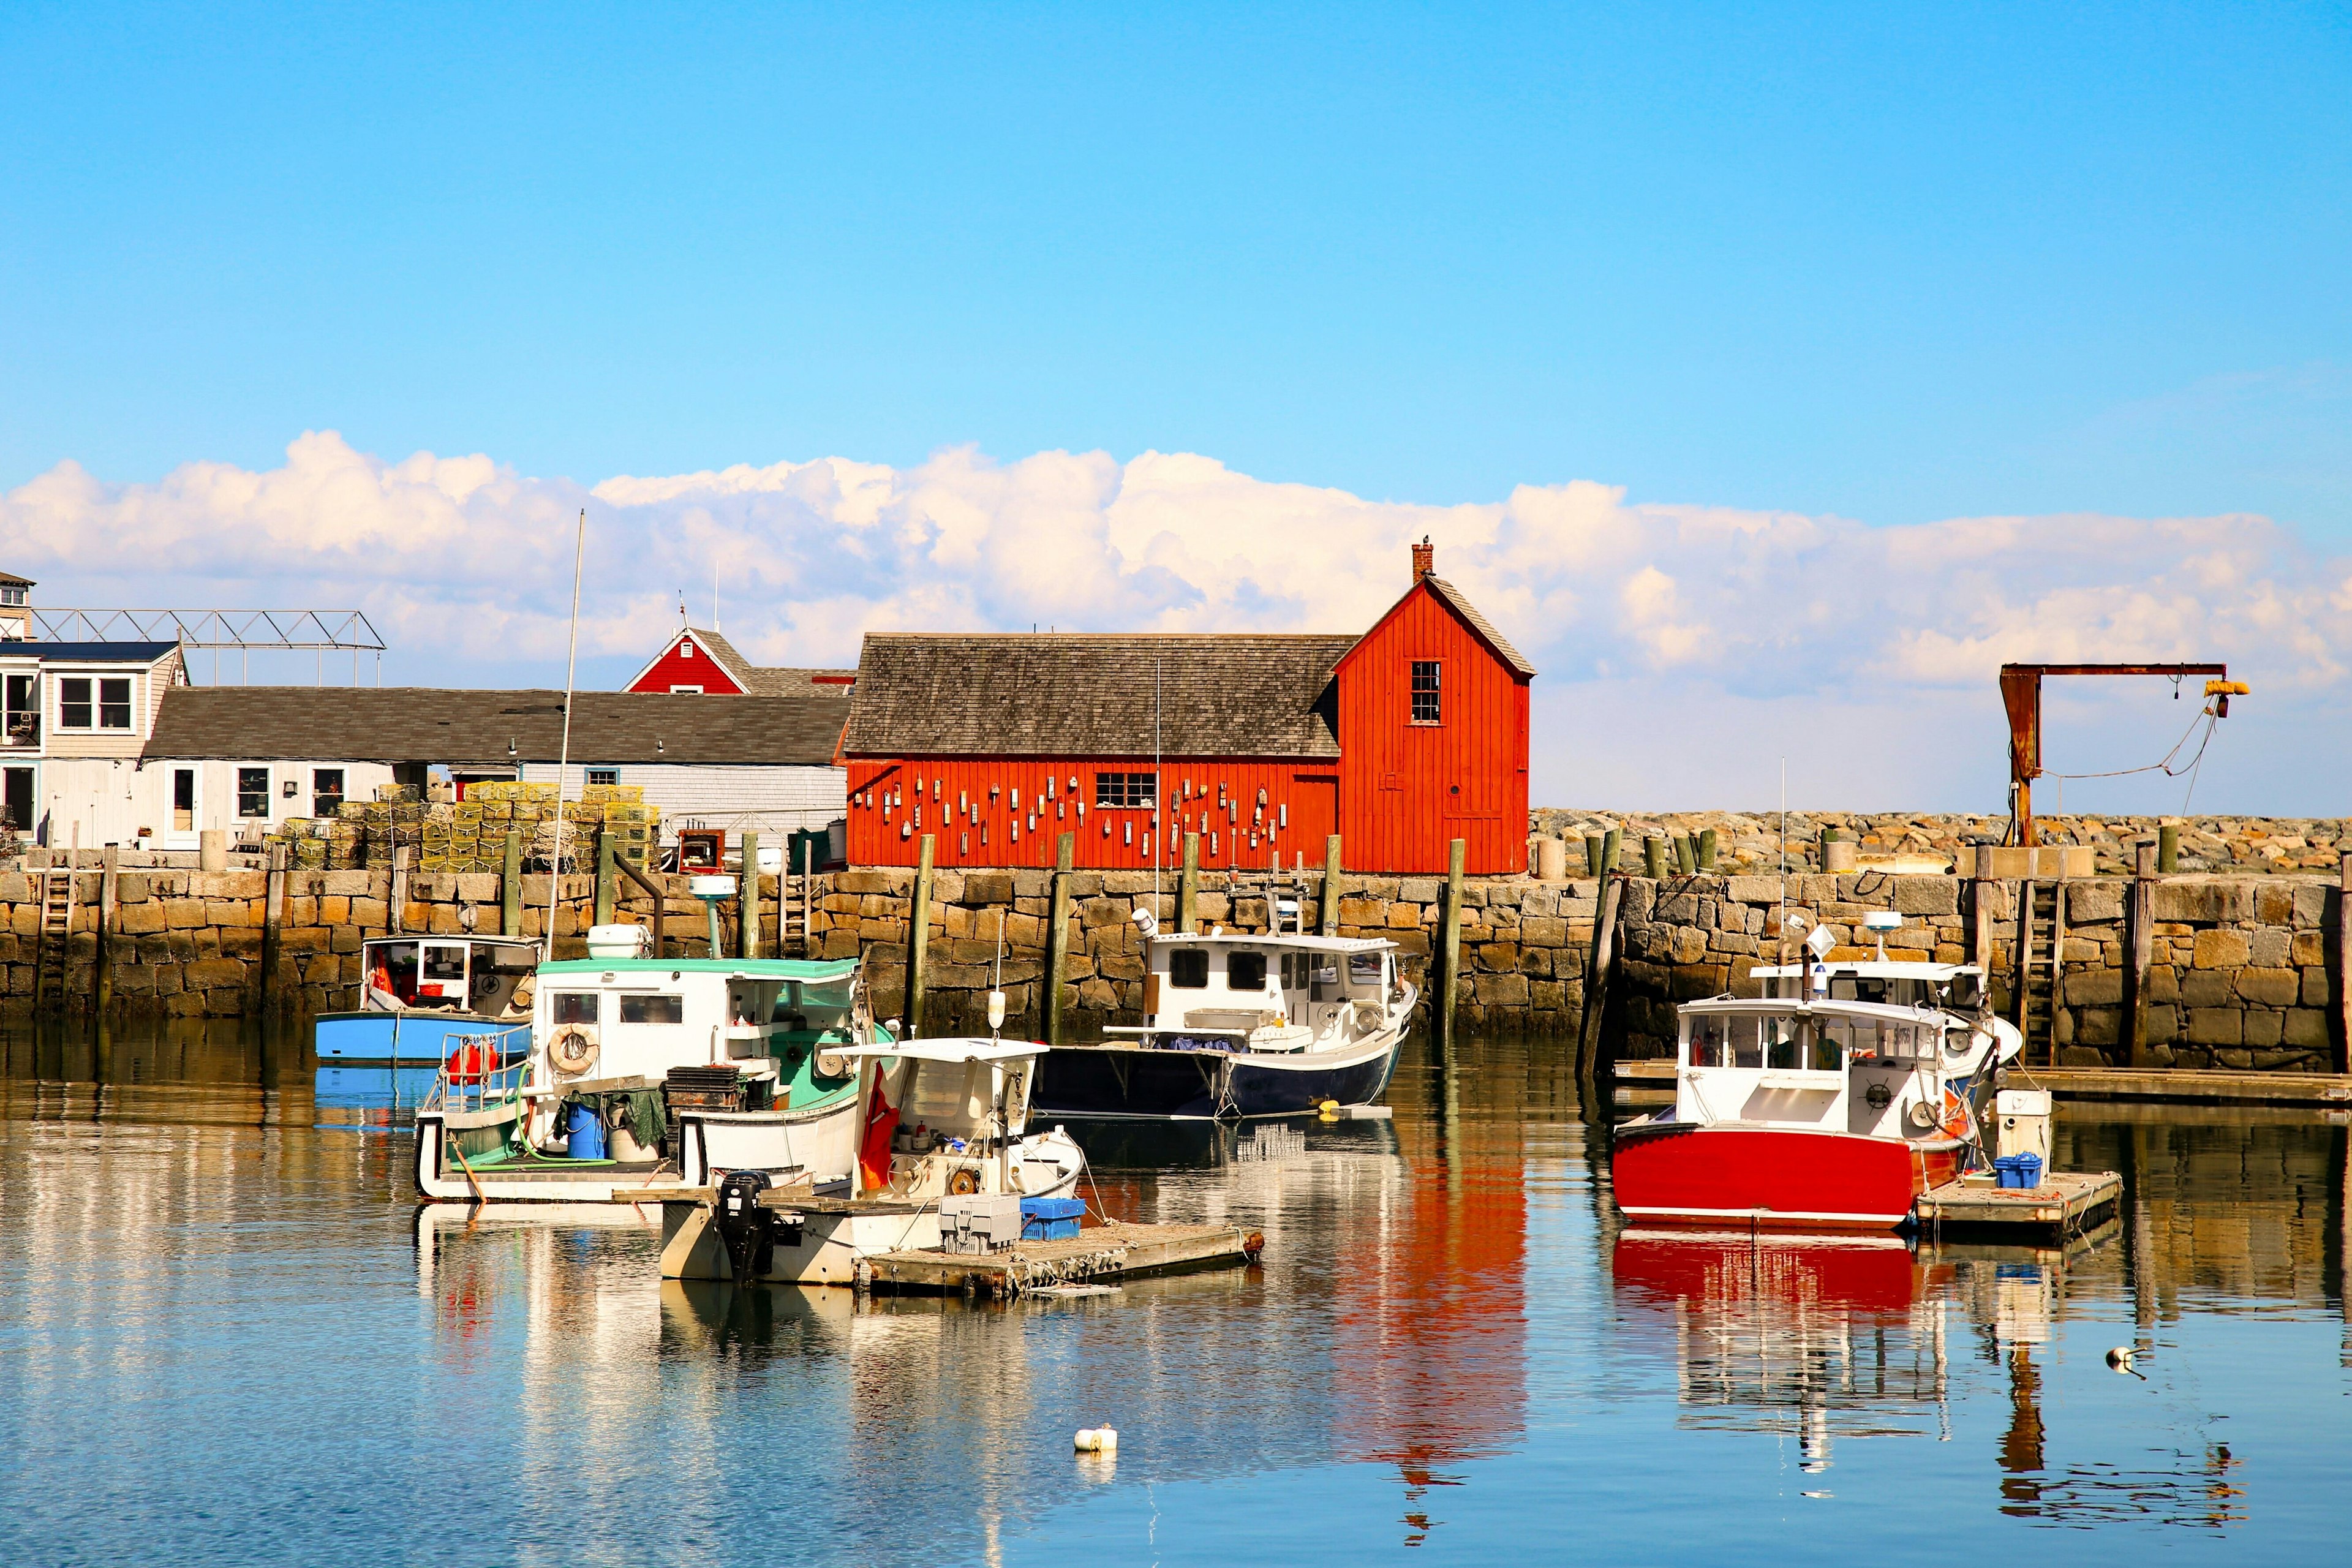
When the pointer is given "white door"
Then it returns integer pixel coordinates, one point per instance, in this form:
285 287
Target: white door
183 811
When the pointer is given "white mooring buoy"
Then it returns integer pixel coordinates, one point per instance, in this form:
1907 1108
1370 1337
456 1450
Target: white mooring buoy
1097 1440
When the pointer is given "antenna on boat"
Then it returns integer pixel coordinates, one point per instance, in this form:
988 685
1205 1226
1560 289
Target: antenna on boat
996 989
563 756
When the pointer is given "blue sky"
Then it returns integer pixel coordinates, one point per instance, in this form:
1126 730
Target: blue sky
1776 371
1892 264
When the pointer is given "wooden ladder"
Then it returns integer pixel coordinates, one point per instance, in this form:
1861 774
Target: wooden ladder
2040 945
52 945
792 914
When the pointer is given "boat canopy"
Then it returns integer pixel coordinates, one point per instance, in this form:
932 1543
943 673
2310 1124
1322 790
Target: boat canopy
807 969
1279 939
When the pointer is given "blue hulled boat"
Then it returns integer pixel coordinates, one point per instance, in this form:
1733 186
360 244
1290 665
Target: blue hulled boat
418 994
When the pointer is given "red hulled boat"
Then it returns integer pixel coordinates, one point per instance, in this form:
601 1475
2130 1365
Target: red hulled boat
1831 1110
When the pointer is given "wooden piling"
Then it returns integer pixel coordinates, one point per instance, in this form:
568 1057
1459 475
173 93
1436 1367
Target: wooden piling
751 904
1980 888
1602 960
1057 933
510 887
2344 964
603 877
918 937
2139 921
1328 912
109 897
2168 848
273 921
1452 948
1594 847
395 900
1707 849
1653 857
1188 883
1611 847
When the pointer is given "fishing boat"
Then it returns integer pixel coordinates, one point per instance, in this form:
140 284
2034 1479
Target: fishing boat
644 1072
419 994
1831 1102
1239 1026
943 1119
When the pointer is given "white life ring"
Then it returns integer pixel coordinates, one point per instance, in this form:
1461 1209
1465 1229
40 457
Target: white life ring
572 1049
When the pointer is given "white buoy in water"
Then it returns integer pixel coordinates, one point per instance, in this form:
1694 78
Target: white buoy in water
1097 1440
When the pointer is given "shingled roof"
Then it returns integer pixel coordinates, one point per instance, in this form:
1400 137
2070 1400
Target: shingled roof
474 728
1071 694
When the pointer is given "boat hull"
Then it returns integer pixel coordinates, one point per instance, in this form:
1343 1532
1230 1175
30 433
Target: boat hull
1780 1178
420 1039
1119 1082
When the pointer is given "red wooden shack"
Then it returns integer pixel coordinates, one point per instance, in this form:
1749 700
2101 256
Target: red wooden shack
1399 739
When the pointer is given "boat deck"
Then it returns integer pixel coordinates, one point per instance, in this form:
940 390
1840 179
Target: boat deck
1107 1252
2065 1201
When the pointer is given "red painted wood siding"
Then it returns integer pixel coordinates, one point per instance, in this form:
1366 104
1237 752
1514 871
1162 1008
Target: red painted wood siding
1407 790
674 668
966 803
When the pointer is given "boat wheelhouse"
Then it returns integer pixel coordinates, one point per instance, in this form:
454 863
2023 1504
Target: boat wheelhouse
1832 1102
646 1072
1243 1025
419 994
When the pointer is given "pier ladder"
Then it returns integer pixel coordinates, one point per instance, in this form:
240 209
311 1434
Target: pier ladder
52 947
2040 950
794 890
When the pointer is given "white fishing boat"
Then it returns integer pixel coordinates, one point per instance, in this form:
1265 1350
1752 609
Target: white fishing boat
946 1123
643 1073
1239 1026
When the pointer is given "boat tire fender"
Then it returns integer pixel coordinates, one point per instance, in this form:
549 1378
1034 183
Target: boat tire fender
571 1049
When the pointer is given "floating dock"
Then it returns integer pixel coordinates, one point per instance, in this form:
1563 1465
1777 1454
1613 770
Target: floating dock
2066 1202
1106 1253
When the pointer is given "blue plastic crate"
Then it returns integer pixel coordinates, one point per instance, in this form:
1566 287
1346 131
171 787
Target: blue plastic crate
1050 1220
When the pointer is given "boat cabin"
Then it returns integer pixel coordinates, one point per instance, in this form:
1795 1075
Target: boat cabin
956 1111
775 1018
1834 1065
1896 981
478 975
1275 992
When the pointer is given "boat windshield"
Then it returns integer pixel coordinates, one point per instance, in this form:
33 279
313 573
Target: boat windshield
814 1006
1764 1041
1883 1038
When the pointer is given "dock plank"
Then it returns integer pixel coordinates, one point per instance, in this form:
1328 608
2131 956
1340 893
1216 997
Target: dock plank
2067 1200
1101 1253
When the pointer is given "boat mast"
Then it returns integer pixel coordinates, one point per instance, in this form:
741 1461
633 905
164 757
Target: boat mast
563 756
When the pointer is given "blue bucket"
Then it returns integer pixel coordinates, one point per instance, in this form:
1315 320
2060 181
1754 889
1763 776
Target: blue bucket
587 1130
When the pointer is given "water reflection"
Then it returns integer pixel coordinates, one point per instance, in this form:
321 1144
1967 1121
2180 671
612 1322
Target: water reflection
201 1225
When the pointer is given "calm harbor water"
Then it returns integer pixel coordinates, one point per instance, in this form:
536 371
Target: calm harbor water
227 1334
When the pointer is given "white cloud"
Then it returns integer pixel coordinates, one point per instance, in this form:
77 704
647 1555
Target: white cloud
1696 624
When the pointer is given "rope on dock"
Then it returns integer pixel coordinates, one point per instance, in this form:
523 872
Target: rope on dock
1027 1274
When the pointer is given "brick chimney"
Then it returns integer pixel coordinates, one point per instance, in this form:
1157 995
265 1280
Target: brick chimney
1424 559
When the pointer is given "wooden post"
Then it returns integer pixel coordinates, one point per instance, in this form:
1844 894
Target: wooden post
2344 964
108 893
1058 932
396 902
1980 888
1611 847
1653 858
751 904
1707 849
1594 865
1327 920
603 916
273 918
1596 978
919 936
2140 918
1188 883
510 887
2168 848
1452 937
661 904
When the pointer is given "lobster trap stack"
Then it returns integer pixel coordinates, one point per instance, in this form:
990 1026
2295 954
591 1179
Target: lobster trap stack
470 835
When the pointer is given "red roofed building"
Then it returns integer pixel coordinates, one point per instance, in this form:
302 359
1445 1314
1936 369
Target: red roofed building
703 662
1400 739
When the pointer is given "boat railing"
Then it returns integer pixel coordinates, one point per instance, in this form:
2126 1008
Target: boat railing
470 1079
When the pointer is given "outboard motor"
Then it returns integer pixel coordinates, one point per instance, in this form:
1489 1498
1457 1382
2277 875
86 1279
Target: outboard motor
744 1224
